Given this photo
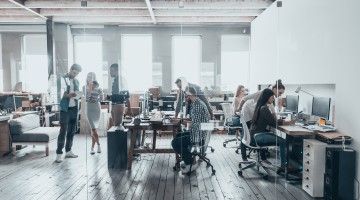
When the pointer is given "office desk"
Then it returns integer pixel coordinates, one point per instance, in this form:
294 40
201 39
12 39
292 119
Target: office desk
293 132
155 126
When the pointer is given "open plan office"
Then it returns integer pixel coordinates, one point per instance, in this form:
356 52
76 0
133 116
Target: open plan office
179 99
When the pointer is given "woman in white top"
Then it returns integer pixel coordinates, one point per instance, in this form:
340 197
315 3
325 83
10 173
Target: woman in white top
93 97
239 95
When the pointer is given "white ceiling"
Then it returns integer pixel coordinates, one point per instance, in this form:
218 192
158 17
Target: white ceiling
132 11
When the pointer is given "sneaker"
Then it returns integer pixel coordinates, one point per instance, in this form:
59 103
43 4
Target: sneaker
58 158
70 154
98 149
92 151
121 128
182 165
186 169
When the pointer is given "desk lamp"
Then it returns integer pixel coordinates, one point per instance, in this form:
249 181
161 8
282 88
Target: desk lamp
298 89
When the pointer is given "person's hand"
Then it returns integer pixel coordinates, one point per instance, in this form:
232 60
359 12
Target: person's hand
72 94
286 122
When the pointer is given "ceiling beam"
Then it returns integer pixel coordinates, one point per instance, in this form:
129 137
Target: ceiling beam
14 12
151 12
21 20
21 5
159 4
147 20
143 12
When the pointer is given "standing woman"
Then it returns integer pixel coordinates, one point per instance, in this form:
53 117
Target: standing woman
93 97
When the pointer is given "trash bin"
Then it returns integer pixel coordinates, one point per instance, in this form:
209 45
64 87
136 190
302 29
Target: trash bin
118 142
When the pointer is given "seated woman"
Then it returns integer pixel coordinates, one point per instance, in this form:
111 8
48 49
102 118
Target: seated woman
183 141
262 119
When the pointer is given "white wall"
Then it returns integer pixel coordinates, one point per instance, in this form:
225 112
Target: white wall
318 44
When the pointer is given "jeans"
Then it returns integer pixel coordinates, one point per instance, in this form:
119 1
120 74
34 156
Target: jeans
67 128
181 145
269 139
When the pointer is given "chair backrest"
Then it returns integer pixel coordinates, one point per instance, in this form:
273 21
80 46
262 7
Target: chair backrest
246 132
227 109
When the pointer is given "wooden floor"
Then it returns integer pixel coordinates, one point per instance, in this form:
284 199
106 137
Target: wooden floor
31 175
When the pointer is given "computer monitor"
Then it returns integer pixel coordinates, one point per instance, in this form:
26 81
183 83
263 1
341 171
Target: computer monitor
321 107
167 103
292 103
7 102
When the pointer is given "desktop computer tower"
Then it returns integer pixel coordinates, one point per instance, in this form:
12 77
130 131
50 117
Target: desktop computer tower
339 178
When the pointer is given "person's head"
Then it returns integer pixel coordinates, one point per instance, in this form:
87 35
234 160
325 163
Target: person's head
75 69
266 97
240 91
18 87
278 88
91 76
95 84
178 83
114 70
191 93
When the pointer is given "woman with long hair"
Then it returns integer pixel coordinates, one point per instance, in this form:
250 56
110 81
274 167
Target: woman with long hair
239 95
93 97
264 118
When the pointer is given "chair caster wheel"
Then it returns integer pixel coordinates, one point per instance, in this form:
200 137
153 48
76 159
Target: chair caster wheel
207 165
240 173
213 172
239 165
212 150
237 151
224 144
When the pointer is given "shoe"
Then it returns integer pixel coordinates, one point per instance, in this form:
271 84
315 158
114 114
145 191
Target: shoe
121 128
70 154
186 169
58 158
182 165
92 151
98 149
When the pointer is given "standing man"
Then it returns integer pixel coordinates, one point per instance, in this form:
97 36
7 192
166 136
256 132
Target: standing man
118 108
183 85
68 112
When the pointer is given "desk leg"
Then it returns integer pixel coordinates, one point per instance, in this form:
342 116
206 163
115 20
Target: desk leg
131 148
154 139
143 138
287 140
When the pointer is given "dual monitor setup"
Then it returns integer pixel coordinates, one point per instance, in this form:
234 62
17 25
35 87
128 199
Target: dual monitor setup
320 106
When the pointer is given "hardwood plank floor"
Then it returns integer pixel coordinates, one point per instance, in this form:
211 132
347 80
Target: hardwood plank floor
31 175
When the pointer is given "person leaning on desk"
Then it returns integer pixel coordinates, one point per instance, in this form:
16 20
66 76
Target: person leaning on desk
263 119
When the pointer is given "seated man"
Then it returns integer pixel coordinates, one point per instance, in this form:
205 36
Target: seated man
183 142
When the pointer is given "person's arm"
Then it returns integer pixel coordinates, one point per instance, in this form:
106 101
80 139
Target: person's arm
269 117
64 90
178 103
246 98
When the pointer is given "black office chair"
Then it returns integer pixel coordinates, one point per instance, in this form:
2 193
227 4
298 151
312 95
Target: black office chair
198 150
258 163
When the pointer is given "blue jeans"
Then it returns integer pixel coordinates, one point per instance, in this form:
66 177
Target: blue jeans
67 129
269 139
181 145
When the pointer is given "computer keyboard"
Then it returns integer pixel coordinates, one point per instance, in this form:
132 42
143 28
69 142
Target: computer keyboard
326 128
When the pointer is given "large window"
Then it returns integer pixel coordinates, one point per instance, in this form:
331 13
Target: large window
136 62
34 72
234 61
89 54
186 57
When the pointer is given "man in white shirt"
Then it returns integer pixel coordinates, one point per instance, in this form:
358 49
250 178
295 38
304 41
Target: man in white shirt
68 112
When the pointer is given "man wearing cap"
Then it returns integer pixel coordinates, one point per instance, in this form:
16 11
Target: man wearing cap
183 85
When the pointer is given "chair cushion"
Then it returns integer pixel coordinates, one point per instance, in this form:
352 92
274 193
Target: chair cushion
40 134
25 123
